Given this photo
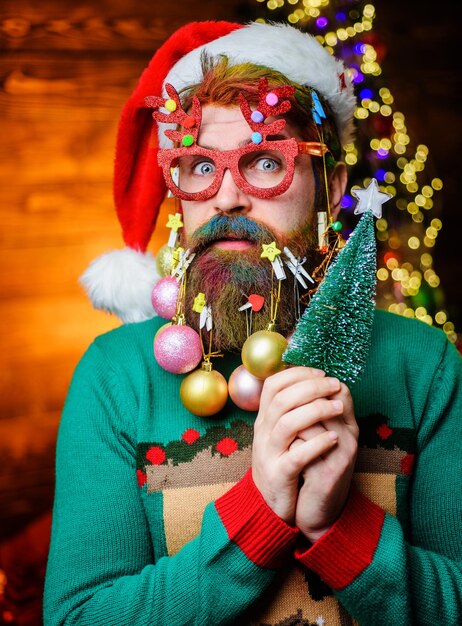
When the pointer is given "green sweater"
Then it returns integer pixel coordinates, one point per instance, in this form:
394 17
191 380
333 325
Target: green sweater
157 519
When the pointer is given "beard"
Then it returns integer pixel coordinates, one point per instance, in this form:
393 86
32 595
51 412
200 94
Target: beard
228 277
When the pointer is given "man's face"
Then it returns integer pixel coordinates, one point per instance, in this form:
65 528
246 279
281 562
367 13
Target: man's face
226 129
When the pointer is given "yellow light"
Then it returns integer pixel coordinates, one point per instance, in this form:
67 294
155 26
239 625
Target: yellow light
369 10
413 243
412 208
382 274
392 263
428 203
385 110
342 34
414 283
399 148
292 1
427 319
293 19
420 200
422 148
350 159
391 189
375 144
394 242
431 232
409 313
374 107
437 184
367 25
330 50
441 317
452 337
437 224
358 27
412 187
420 312
427 191
393 308
434 281
351 31
300 13
448 327
370 54
389 177
381 224
361 113
331 39
429 242
271 4
401 163
385 144
426 259
418 217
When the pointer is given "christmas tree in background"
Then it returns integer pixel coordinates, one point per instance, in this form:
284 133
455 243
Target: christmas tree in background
406 234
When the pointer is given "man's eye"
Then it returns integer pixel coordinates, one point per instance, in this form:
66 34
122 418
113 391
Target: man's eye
204 168
266 164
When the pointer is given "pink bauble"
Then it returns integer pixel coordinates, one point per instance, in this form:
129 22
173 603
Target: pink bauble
178 349
164 296
244 389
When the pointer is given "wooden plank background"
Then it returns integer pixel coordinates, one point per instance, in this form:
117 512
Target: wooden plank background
66 69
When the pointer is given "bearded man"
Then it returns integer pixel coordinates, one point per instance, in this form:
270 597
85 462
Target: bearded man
329 504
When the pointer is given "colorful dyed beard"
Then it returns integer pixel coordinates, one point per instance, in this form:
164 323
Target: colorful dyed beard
226 277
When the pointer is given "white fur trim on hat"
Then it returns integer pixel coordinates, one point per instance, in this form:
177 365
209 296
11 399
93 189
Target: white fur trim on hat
121 282
297 55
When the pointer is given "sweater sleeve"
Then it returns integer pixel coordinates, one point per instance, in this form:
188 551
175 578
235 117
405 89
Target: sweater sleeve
383 577
101 567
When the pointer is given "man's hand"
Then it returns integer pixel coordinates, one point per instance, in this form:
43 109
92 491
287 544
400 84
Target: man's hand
326 481
291 434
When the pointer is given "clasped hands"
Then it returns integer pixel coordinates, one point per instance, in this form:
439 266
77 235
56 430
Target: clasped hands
304 449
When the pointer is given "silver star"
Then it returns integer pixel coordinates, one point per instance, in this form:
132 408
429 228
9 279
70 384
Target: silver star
320 621
370 199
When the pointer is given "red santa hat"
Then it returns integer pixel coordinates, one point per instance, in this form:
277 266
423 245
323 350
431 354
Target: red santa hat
121 281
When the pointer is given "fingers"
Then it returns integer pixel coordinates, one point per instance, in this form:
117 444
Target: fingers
292 424
302 453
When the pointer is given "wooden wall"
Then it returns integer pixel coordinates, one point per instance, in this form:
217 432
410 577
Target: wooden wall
66 70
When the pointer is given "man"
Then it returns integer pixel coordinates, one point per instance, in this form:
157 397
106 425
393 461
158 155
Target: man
330 504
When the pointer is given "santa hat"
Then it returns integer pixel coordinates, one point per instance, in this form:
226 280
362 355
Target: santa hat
121 281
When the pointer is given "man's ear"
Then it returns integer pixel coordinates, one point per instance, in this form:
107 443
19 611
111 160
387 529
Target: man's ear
337 185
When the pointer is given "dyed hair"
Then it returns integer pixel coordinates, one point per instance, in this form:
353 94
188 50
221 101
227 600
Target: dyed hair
222 83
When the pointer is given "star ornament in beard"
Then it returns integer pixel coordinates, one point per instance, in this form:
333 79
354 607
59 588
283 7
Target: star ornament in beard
370 199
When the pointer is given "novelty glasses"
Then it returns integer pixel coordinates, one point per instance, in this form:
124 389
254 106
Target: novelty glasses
263 170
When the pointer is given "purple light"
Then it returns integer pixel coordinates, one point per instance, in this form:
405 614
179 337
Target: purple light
358 77
347 201
322 22
366 94
380 174
359 48
340 16
382 154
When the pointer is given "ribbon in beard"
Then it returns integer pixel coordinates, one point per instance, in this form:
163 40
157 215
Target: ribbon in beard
227 277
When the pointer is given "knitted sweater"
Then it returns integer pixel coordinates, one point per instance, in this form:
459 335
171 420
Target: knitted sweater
157 519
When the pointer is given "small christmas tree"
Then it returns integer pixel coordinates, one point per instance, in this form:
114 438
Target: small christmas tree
334 333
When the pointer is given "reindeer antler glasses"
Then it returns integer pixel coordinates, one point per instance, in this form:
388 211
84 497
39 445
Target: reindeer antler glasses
263 168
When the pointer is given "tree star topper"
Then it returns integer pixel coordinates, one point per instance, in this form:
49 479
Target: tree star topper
370 199
270 251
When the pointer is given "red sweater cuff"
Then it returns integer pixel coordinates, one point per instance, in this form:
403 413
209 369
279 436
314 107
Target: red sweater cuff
342 553
263 536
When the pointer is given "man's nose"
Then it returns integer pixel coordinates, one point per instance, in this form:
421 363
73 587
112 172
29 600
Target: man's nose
229 198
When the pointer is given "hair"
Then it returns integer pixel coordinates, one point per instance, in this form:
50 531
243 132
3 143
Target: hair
222 83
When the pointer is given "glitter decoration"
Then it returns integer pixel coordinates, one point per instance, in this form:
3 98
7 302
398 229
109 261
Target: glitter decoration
164 297
334 333
178 349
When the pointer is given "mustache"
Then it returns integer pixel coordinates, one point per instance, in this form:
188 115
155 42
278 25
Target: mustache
226 227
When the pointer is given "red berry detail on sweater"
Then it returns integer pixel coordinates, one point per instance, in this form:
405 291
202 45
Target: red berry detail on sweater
190 435
156 455
227 446
407 463
384 431
141 477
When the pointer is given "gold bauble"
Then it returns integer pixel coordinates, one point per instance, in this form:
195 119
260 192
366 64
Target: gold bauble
204 392
164 260
262 353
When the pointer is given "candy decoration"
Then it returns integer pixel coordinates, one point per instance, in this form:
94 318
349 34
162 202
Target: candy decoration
336 226
178 349
170 105
187 140
257 137
272 99
245 389
164 297
204 392
262 353
257 116
164 260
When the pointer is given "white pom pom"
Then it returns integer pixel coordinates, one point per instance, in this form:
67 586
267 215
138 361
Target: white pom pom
121 282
